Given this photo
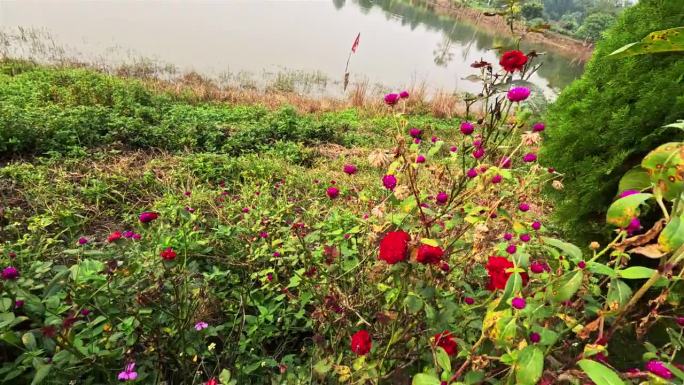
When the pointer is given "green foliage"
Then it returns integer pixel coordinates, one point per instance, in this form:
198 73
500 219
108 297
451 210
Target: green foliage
669 40
593 26
532 9
603 124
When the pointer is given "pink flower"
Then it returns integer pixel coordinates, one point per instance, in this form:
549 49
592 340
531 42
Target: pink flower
525 237
389 181
148 216
511 249
415 132
10 273
472 173
496 179
582 264
535 337
129 373
349 169
505 162
391 99
518 94
245 210
332 192
467 128
420 159
523 207
478 153
519 303
536 225
404 94
434 139
658 368
442 198
538 127
82 240
453 149
529 157
469 300
538 267
508 236
201 325
263 234
634 226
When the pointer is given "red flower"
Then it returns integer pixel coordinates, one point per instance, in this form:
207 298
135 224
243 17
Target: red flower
168 254
113 237
513 61
446 341
212 381
148 216
394 247
496 268
429 254
361 342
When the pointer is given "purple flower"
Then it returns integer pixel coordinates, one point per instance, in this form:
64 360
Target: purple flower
469 300
201 325
10 273
129 373
389 181
530 157
538 267
332 192
415 132
85 312
391 99
538 127
518 94
350 169
627 193
505 162
680 321
497 179
404 94
478 153
467 128
128 234
582 264
634 226
18 304
477 142
511 249
147 217
245 210
519 303
508 236
536 225
472 173
442 198
535 337
525 237
263 234
135 236
453 149
658 368
420 159
523 207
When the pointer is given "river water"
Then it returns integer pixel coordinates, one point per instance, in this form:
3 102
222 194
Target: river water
248 40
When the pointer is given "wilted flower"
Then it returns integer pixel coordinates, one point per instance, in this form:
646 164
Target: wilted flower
659 369
201 325
391 99
361 342
530 157
512 61
538 127
129 373
394 247
168 254
404 94
442 198
420 159
472 173
10 273
350 169
519 303
480 64
594 245
531 138
332 192
389 181
505 162
518 94
558 185
446 341
148 216
467 128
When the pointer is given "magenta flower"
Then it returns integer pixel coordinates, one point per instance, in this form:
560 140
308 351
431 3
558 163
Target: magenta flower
505 162
416 140
538 127
82 241
518 94
536 225
538 267
469 300
453 149
472 173
511 249
477 142
523 207
508 236
135 236
420 159
389 181
129 373
680 321
18 304
634 226
434 139
525 237
201 325
530 157
404 94
582 264
276 254
658 368
391 99
535 337
263 234
415 132
332 192
442 198
245 210
148 216
519 303
350 169
627 193
85 312
478 153
187 193
128 234
497 179
467 128
10 273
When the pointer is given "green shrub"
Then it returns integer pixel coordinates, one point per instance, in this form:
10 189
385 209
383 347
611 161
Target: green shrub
593 26
604 122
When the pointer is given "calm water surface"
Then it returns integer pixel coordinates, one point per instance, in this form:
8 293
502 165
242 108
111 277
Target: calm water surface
400 43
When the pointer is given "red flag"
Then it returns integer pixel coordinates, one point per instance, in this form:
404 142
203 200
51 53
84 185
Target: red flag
356 42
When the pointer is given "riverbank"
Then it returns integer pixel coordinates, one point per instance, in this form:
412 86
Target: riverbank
563 45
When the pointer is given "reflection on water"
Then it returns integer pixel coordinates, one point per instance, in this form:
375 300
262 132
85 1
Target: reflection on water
245 40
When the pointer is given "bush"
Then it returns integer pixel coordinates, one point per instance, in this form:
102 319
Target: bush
532 9
593 26
605 121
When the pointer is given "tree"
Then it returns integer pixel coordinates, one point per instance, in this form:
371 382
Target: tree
594 25
603 123
532 9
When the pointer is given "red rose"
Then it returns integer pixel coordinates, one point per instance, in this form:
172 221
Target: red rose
446 341
113 237
212 381
394 247
361 342
513 61
429 254
168 254
496 268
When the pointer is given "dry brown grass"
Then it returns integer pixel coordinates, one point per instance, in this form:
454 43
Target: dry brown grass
446 105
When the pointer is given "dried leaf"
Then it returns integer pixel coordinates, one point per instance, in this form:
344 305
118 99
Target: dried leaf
641 239
589 328
650 251
379 158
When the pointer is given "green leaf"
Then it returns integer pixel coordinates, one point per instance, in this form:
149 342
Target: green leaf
599 268
672 236
599 373
529 366
413 303
29 340
425 379
566 287
513 286
665 165
621 212
618 292
569 249
41 372
668 40
634 179
443 359
636 272
322 367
